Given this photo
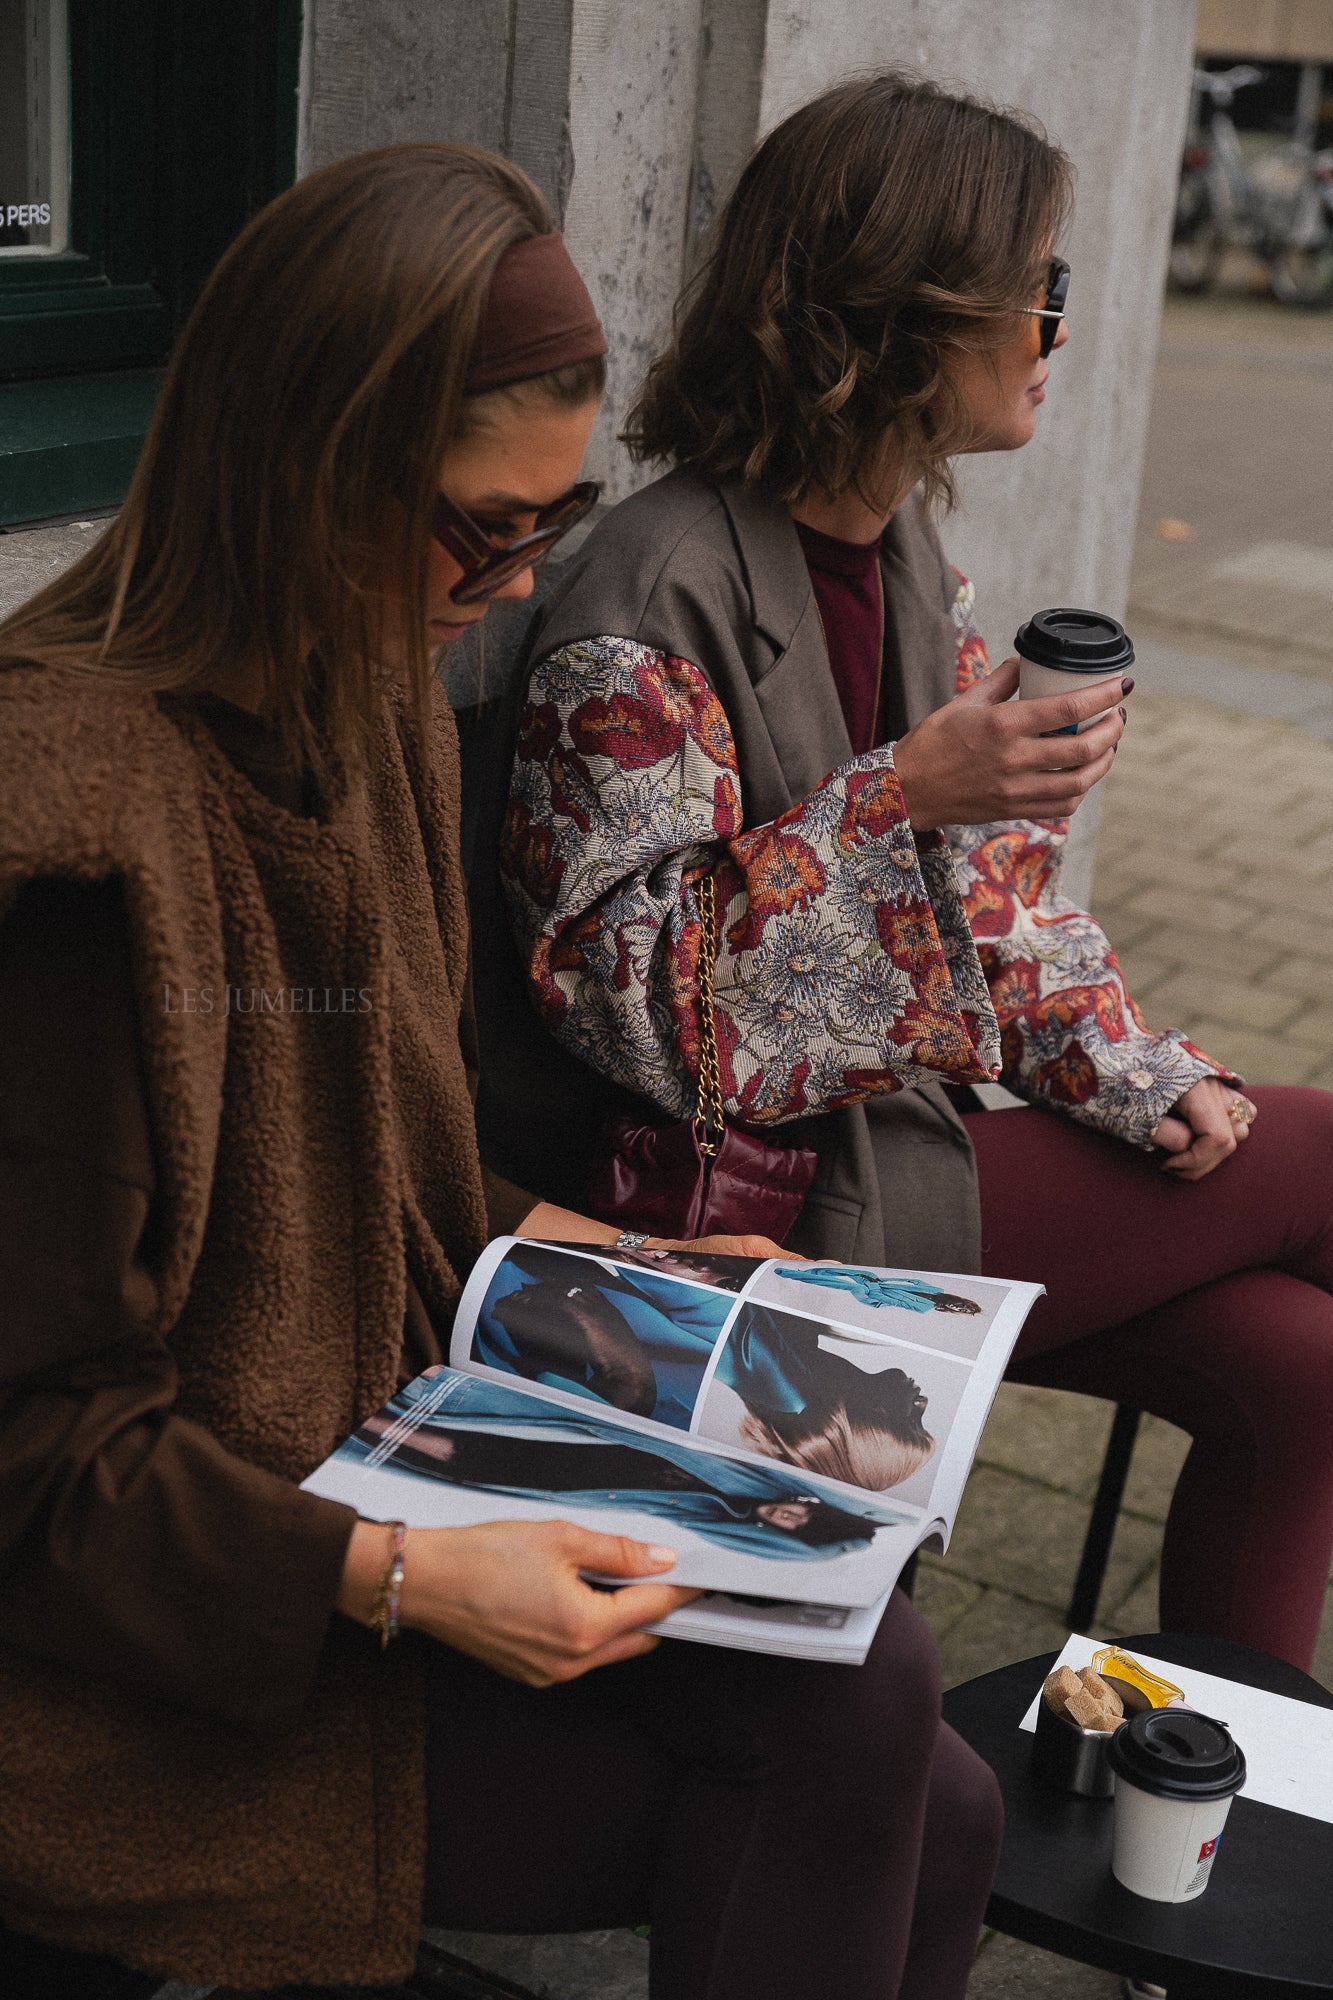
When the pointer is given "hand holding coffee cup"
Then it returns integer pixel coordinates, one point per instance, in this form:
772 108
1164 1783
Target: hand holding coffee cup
985 757
1063 649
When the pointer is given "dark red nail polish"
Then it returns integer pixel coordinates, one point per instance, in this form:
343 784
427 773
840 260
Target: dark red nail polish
1123 716
1127 686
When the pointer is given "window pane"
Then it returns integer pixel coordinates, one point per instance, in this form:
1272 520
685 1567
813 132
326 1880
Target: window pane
34 128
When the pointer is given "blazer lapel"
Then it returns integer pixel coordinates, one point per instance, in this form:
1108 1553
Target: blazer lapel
794 690
919 639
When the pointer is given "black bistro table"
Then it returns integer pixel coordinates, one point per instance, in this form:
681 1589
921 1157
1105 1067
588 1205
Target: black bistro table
1263 1926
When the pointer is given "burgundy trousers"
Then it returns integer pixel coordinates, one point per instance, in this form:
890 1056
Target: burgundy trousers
1207 1303
788 1829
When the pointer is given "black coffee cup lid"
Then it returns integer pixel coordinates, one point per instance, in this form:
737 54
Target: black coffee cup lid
1177 1753
1082 642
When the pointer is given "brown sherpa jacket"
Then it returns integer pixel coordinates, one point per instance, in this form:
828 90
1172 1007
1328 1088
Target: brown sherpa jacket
309 1155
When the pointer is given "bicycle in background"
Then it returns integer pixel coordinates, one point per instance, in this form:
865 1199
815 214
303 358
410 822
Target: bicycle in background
1280 206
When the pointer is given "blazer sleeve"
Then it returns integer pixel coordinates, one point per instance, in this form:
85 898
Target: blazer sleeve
1071 1036
844 966
132 1544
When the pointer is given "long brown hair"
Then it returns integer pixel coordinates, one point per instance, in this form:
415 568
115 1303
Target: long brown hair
880 228
318 381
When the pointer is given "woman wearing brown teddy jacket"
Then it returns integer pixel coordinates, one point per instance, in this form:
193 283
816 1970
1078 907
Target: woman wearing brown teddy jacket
239 1190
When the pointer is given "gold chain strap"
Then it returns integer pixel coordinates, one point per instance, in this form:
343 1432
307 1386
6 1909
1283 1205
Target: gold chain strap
709 1122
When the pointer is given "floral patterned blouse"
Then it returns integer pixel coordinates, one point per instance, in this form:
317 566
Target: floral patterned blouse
854 956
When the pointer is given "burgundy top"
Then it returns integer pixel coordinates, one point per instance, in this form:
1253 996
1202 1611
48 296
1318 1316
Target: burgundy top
132 1544
849 591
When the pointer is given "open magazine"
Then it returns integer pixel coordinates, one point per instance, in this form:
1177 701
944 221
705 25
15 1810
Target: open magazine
793 1430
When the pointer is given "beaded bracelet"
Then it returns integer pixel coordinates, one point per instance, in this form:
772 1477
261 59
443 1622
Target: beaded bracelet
389 1593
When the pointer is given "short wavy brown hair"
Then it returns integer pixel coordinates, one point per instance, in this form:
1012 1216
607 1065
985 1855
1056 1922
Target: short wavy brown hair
881 228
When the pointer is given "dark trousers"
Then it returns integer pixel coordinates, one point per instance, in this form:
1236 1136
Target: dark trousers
1209 1304
788 1829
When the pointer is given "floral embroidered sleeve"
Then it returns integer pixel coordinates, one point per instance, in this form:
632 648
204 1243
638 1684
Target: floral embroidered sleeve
1071 1036
845 966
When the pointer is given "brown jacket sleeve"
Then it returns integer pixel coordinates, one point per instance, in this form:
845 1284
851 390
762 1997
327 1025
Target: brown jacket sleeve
131 1543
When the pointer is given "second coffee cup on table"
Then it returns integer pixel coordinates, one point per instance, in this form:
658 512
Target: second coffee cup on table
1065 649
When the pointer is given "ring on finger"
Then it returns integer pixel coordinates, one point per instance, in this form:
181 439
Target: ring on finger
1242 1111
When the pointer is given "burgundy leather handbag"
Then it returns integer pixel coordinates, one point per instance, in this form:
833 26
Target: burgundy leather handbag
699 1176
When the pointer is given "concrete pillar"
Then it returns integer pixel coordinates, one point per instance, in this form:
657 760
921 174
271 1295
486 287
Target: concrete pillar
487 72
1053 523
634 84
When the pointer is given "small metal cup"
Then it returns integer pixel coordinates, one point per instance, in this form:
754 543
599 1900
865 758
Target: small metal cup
1072 1758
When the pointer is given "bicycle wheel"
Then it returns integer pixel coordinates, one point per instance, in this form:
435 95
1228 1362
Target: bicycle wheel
1197 244
1302 277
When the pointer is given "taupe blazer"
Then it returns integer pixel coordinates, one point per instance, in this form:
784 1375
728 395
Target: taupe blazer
717 576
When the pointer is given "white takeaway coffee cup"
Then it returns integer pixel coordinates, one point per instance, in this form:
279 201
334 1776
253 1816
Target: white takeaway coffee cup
1064 649
1176 1773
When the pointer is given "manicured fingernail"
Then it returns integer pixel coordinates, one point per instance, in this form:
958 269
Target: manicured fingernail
1124 717
660 1557
1127 686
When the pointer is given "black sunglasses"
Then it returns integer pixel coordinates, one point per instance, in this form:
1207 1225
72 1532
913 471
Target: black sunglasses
488 565
1051 314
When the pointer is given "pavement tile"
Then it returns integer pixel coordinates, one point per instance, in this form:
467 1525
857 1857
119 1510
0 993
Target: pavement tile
1258 1058
1297 866
1159 1452
1008 1970
1305 977
1142 971
1047 1435
1166 902
1137 1611
585 1965
943 1598
1187 950
1014 1535
999 1629
1312 976
1242 1004
1314 1025
1128 932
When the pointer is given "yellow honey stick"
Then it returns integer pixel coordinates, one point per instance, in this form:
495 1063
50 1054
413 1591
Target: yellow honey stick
1133 1680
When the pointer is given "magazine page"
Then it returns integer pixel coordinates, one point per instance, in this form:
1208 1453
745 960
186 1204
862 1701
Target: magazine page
879 1380
451 1450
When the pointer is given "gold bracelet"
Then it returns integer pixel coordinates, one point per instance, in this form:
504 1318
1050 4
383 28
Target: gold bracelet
389 1593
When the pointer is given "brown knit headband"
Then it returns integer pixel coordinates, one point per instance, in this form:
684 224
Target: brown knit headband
537 317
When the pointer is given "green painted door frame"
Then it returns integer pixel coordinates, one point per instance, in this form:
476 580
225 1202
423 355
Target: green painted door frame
183 122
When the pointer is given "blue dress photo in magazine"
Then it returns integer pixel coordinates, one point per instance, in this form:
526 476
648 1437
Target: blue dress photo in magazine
642 1343
460 1430
877 1288
636 1339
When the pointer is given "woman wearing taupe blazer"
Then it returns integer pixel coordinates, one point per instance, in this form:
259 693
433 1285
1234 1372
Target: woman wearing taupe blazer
762 667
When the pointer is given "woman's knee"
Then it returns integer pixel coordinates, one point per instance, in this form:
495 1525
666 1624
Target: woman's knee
885 1715
904 1655
1291 1149
965 1807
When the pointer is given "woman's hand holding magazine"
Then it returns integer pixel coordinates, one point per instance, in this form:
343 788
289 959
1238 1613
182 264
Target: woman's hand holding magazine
791 1430
510 1593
